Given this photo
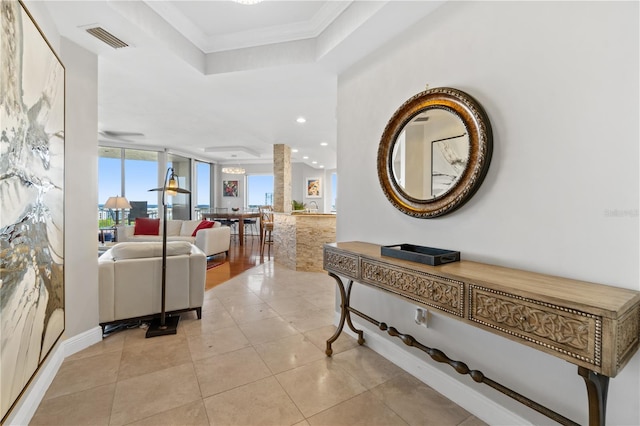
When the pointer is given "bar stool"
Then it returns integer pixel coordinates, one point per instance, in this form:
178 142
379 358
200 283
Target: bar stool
266 229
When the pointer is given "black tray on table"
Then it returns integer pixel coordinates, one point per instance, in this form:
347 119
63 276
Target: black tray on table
427 255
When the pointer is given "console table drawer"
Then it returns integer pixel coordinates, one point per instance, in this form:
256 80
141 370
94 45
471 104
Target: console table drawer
341 263
431 290
568 332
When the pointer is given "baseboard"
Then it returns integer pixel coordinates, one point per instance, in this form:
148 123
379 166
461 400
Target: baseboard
82 341
31 398
465 396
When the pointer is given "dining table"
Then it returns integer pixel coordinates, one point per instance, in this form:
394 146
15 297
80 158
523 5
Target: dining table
239 215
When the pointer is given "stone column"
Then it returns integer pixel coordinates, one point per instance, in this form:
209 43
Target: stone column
281 178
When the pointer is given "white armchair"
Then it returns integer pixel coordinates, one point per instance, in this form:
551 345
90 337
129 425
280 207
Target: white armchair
130 280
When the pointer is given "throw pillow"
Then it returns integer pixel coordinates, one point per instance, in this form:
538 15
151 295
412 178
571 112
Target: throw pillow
173 228
203 225
146 226
188 226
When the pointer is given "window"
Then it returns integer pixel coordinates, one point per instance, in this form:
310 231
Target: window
202 187
109 182
179 206
334 191
259 190
129 173
141 175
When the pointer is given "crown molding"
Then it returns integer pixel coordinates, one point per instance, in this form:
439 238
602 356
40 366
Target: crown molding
252 38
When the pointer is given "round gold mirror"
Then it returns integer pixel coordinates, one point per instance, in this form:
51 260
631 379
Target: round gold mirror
434 152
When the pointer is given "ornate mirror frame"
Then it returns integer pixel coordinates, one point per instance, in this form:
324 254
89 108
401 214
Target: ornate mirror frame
478 127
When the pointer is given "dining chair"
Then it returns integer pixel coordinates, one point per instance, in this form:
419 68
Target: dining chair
266 229
225 221
250 223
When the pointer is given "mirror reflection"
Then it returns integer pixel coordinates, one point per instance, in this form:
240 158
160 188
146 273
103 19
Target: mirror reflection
434 152
430 154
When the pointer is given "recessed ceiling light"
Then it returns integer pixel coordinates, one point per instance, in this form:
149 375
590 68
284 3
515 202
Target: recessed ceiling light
314 162
306 157
301 120
294 150
321 166
323 144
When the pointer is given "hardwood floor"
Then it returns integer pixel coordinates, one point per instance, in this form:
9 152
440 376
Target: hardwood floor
239 260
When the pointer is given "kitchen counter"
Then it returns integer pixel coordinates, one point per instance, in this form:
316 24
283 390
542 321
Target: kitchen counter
299 238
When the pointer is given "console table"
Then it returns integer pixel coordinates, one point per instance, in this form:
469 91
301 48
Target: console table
594 326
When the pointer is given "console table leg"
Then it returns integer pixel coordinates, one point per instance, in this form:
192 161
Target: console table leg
597 387
344 315
349 323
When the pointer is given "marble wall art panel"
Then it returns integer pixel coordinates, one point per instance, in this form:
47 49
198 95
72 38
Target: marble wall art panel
32 311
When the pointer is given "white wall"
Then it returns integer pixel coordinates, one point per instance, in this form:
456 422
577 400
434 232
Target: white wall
299 172
559 81
239 201
81 196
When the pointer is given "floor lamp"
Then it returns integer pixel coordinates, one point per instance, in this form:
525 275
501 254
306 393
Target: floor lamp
163 325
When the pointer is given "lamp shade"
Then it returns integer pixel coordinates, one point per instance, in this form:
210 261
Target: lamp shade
172 185
117 203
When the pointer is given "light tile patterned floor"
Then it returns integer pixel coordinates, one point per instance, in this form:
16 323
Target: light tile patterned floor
255 358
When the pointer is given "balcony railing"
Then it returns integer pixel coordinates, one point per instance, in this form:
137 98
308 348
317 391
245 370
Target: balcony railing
106 217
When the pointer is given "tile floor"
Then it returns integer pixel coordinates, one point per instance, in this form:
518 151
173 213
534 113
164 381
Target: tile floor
256 358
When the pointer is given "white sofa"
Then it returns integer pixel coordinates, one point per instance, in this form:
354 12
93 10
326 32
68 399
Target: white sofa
211 240
130 280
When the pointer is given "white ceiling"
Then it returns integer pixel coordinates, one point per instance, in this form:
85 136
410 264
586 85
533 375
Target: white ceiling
225 81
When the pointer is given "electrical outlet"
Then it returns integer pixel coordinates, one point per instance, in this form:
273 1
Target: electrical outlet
422 317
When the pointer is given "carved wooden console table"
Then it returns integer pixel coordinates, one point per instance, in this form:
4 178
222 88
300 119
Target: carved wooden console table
593 326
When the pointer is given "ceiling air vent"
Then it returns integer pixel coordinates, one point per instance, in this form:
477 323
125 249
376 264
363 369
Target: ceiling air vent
106 37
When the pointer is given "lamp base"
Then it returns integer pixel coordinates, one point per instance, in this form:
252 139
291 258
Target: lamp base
170 327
